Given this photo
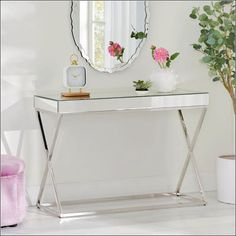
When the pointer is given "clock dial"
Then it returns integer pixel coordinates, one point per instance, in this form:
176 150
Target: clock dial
75 77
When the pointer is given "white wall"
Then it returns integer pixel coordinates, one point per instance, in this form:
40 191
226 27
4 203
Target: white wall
102 154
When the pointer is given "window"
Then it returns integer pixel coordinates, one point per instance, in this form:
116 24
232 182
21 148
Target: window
97 10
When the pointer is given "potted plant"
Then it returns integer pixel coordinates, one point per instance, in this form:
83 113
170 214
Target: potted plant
142 87
217 44
163 78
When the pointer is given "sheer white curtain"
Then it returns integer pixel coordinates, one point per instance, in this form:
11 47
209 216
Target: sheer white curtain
84 26
120 16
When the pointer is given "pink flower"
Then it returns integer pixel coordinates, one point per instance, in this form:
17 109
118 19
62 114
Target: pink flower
111 50
115 49
118 48
160 55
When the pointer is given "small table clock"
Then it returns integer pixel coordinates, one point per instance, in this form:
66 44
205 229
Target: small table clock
74 77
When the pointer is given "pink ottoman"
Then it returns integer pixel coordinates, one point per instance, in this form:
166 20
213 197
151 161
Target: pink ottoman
13 202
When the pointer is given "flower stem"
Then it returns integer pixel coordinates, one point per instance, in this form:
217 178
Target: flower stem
121 60
160 64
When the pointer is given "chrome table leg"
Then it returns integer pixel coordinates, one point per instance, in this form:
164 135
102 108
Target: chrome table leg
58 204
190 156
49 167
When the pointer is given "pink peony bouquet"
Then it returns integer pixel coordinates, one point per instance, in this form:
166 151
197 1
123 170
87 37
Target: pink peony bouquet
162 56
115 50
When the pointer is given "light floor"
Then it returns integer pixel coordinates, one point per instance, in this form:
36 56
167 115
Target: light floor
214 219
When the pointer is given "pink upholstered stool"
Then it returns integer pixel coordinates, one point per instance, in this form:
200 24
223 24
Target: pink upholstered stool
13 203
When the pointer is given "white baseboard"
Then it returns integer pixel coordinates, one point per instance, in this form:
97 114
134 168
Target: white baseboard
75 191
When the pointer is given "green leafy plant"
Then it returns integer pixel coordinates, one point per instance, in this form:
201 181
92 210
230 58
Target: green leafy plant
217 42
138 35
142 85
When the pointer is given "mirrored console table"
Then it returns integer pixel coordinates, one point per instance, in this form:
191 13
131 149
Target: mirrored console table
118 101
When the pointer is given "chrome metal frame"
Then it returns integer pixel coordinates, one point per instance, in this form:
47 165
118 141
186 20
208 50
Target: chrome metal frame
56 208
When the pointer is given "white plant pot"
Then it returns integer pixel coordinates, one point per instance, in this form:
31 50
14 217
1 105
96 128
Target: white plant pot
139 92
225 170
164 80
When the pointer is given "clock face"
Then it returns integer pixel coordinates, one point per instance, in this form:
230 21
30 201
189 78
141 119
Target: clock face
75 77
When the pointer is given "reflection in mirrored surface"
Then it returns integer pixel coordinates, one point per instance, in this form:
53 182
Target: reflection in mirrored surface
109 34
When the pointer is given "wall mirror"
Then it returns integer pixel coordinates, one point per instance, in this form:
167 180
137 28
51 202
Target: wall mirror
109 34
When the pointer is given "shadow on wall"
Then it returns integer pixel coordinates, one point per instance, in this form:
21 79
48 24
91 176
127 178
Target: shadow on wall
18 77
17 80
17 118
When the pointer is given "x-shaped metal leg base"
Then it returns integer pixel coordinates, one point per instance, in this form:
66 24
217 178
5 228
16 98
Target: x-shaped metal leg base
58 204
190 156
49 168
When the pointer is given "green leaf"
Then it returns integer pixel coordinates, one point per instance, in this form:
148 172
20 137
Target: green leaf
208 51
220 41
193 16
132 34
173 56
211 41
220 61
153 49
232 36
225 2
212 72
233 16
203 17
207 59
168 63
228 24
138 35
204 31
217 66
233 74
203 24
196 46
216 79
230 41
222 28
216 33
195 10
220 20
217 6
225 14
225 71
213 23
233 82
142 85
202 38
208 10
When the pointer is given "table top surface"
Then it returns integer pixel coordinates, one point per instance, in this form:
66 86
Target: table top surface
114 94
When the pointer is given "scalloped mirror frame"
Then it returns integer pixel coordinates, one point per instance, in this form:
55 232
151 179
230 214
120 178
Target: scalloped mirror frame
122 66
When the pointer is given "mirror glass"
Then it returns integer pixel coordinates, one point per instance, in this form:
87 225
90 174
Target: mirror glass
109 34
